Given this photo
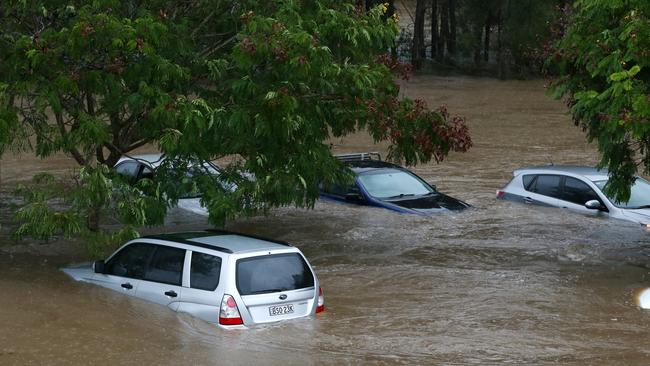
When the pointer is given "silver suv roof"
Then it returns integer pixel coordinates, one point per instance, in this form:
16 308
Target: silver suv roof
221 240
591 173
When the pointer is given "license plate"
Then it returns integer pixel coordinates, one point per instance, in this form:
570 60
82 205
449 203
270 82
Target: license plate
280 310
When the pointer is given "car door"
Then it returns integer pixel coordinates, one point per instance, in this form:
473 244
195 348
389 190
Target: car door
543 189
163 277
201 295
575 193
124 270
350 194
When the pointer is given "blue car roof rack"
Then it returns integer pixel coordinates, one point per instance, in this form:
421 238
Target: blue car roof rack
359 156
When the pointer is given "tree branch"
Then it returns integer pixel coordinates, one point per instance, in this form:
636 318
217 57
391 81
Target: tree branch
65 136
205 20
210 51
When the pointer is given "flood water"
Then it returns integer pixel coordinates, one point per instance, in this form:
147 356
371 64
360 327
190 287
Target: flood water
500 283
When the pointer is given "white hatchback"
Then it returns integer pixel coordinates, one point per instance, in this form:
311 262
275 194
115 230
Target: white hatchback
225 278
577 188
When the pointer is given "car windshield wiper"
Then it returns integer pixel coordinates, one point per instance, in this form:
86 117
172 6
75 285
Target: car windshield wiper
639 207
401 195
268 291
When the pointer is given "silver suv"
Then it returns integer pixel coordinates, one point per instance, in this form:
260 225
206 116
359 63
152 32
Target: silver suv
225 278
577 188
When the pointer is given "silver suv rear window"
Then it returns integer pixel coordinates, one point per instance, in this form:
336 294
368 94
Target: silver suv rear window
273 273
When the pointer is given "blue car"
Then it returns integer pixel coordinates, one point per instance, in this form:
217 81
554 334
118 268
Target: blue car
382 184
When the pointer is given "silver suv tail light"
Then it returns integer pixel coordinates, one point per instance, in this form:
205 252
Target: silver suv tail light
229 313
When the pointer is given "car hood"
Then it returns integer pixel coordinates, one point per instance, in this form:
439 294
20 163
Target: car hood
431 203
192 205
79 272
642 216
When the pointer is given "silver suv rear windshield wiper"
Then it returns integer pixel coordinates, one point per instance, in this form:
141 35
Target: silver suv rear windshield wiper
267 291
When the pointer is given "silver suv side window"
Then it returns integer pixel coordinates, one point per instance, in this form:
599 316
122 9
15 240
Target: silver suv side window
131 261
204 271
547 185
166 265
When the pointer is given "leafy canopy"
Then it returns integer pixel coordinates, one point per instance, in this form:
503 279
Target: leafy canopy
267 82
603 62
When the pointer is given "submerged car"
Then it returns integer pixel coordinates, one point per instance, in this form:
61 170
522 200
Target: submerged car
225 278
577 188
137 167
382 184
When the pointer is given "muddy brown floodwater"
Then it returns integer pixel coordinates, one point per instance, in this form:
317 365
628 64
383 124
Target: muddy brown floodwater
500 283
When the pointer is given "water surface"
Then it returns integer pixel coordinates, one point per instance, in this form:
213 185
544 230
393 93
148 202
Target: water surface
500 283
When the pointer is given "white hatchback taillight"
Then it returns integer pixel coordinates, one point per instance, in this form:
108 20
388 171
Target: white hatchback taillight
321 301
229 313
500 193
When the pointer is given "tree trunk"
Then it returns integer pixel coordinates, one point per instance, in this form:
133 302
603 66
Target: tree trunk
418 35
391 11
93 219
478 43
500 63
434 29
486 42
444 27
451 42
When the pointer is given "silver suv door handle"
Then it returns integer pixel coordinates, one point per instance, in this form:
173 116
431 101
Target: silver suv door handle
127 286
528 200
171 293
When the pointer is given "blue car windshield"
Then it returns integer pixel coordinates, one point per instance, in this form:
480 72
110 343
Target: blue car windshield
393 183
208 169
639 194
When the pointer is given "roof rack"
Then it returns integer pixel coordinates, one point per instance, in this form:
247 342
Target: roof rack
359 156
182 240
187 236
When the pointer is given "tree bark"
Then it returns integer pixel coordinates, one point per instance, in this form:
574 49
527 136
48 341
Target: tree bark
417 49
451 43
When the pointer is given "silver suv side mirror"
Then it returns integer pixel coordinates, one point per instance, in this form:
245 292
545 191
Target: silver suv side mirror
594 205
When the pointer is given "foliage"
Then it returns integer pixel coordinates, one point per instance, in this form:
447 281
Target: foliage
51 205
525 28
489 32
269 82
603 64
